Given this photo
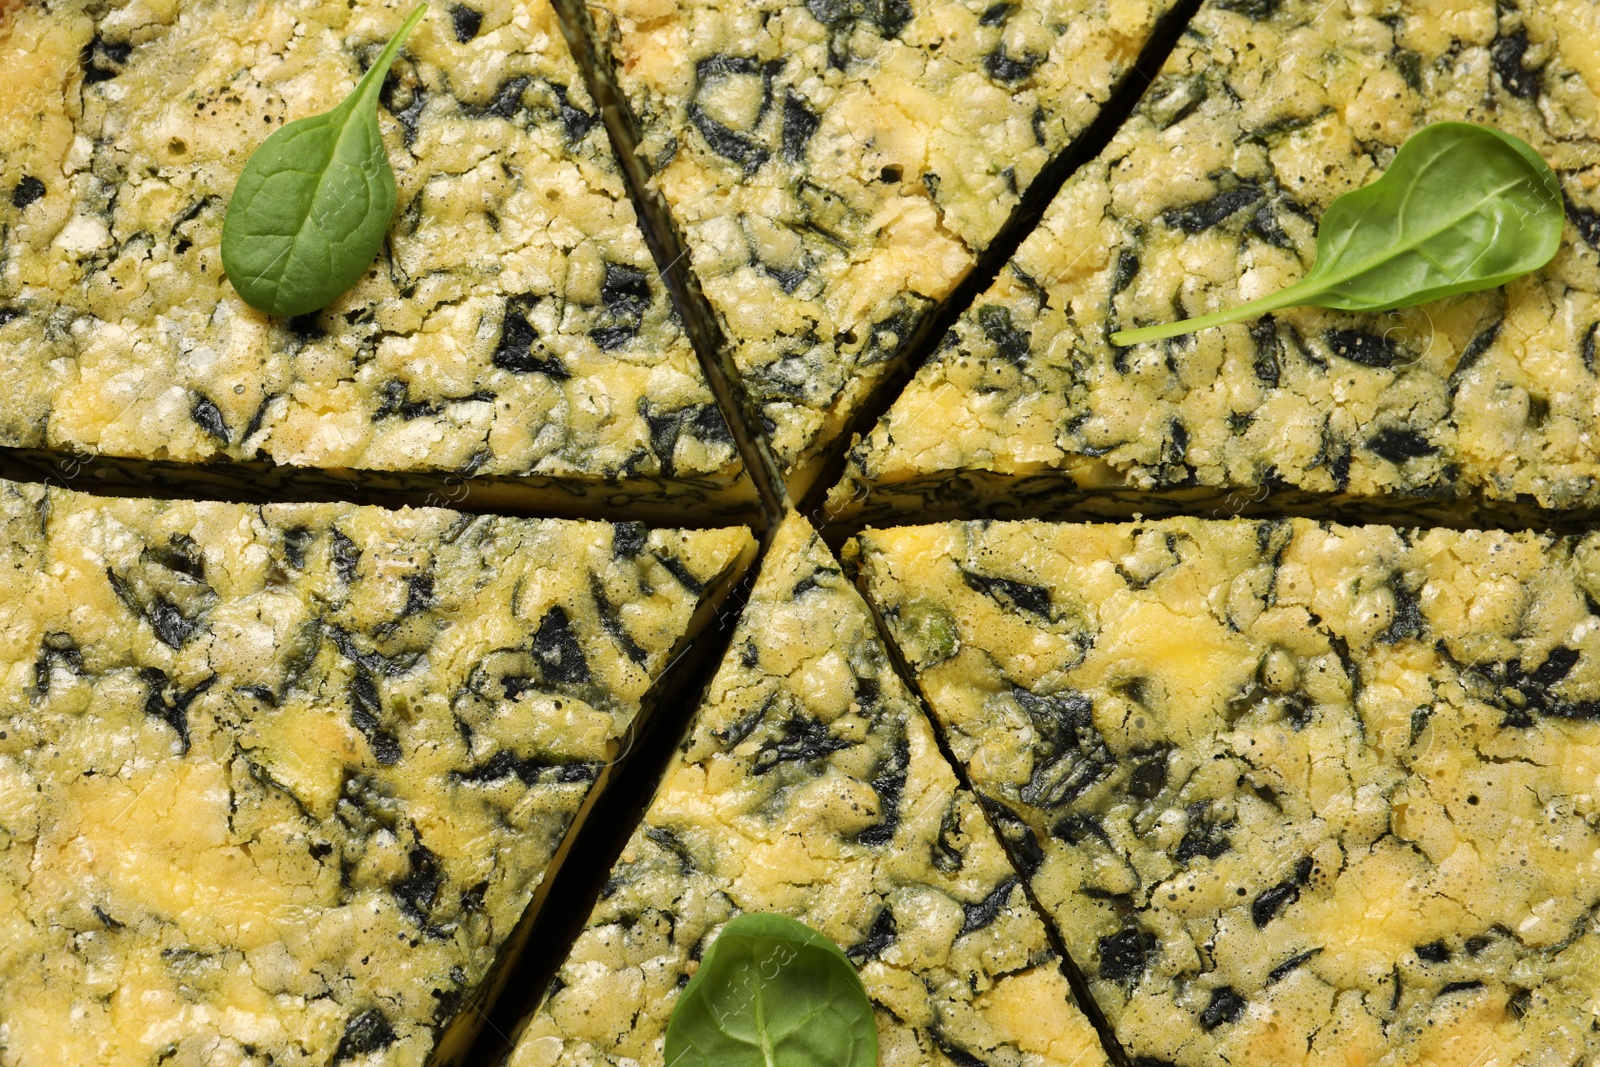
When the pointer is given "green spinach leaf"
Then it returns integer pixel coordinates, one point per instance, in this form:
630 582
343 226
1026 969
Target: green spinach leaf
1461 208
772 992
311 207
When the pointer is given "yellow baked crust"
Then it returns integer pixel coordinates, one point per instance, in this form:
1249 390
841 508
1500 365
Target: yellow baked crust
836 166
1210 196
811 785
277 784
1291 792
513 324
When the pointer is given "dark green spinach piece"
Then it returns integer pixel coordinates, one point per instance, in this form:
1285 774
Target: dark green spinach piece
313 203
1461 208
772 992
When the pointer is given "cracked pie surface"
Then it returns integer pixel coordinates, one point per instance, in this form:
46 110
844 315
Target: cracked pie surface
1291 792
513 324
277 784
812 785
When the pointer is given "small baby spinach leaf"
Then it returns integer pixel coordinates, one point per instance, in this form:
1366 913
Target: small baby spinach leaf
772 992
1461 208
312 205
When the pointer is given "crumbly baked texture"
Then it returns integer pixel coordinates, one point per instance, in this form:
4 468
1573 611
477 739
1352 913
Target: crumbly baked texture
1210 196
277 783
836 166
513 324
811 785
1292 793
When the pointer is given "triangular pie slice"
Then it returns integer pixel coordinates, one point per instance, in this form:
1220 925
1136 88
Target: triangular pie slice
835 168
812 785
278 784
513 330
1292 792
1479 405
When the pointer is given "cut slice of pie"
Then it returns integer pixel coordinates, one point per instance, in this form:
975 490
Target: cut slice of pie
1291 792
512 331
278 784
836 167
811 785
1477 406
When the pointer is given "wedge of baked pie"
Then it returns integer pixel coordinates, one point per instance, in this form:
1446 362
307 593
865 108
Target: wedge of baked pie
1477 406
512 338
1291 792
835 167
278 784
811 785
